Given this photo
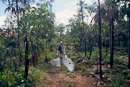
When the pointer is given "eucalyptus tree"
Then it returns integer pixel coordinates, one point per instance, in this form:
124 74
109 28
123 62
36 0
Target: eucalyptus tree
81 33
100 40
90 39
82 15
125 10
123 6
129 36
110 15
75 33
97 20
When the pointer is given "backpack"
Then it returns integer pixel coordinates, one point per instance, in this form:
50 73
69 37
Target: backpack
60 47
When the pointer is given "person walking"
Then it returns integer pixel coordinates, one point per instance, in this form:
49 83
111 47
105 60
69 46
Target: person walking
61 52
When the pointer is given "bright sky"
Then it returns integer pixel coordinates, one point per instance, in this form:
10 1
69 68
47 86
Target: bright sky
64 9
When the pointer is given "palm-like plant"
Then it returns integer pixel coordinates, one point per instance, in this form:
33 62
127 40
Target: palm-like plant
17 7
34 30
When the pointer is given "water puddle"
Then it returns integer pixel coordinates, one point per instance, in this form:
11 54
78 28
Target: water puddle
66 61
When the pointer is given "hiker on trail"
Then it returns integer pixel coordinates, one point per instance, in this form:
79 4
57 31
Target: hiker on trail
61 52
61 49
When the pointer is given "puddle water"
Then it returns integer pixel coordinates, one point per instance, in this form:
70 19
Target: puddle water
66 61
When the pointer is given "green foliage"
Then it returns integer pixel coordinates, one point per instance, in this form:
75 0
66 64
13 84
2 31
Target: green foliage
80 54
118 82
71 85
64 68
117 79
116 59
37 77
95 52
72 76
48 54
13 79
106 60
80 67
78 60
83 68
37 24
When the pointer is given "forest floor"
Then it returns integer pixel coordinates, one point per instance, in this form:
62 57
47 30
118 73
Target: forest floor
59 78
86 73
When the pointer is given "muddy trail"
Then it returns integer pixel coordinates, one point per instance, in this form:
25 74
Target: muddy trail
58 78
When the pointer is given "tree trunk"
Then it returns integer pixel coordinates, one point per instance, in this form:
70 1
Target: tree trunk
33 60
26 57
17 9
100 41
106 50
85 50
46 59
111 42
90 51
129 43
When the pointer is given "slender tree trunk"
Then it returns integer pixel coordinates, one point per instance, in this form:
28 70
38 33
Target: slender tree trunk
17 8
129 42
90 51
100 41
33 60
26 57
85 50
111 42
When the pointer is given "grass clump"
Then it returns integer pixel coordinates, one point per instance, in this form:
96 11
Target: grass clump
71 85
71 75
116 59
64 68
37 76
79 67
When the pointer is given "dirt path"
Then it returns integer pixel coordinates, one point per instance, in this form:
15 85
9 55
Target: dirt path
68 79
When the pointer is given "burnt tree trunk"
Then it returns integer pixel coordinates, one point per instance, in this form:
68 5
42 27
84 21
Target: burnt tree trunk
111 42
26 57
33 60
129 41
100 41
84 34
17 9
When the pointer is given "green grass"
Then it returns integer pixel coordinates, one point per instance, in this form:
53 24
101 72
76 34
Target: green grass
120 53
106 60
71 75
95 53
37 76
80 68
64 68
77 60
118 81
116 59
71 85
47 53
